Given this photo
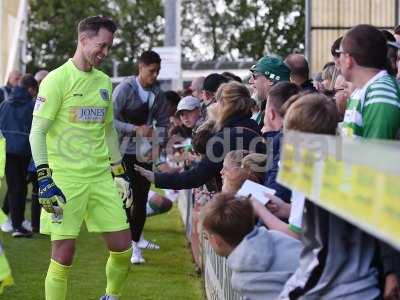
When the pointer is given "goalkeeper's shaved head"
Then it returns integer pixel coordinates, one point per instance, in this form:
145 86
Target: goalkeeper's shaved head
92 25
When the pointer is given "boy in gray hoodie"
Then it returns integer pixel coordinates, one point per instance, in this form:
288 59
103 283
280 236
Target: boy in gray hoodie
261 260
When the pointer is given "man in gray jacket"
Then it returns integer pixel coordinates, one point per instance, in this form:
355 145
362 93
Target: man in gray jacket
140 108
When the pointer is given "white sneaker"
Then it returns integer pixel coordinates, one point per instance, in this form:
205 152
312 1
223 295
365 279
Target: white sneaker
7 226
108 297
27 225
137 257
149 245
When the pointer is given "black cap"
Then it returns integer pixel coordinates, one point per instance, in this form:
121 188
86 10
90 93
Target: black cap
213 81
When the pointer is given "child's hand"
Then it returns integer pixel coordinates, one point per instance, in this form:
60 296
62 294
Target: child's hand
166 168
392 289
149 175
258 207
277 206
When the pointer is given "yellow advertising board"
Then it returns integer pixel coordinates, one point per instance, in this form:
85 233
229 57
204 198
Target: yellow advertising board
357 180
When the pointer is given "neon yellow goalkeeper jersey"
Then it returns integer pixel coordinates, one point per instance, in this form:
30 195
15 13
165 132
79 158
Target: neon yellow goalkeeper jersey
79 104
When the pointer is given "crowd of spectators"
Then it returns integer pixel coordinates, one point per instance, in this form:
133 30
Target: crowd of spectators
289 248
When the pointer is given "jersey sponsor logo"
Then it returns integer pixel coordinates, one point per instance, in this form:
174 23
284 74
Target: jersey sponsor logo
87 114
104 94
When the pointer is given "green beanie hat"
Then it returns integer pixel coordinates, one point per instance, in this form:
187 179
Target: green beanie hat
273 68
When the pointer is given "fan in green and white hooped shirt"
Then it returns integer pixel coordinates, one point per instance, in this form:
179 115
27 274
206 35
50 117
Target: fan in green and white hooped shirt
374 110
5 271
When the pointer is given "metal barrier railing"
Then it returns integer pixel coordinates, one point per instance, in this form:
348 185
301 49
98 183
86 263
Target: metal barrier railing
185 205
217 275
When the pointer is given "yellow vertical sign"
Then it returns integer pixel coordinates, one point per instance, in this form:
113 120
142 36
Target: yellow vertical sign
287 167
334 187
306 172
297 168
363 194
388 218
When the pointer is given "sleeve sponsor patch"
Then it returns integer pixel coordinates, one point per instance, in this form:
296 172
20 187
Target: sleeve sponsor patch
39 102
38 105
41 99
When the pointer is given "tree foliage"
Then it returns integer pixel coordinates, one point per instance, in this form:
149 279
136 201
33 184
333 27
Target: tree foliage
141 26
53 23
211 29
239 29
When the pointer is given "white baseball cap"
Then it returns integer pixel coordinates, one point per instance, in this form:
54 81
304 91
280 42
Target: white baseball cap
188 103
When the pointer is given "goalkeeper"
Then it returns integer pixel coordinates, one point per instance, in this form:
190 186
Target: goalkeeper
72 138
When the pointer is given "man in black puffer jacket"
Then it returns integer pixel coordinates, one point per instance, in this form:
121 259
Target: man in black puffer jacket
234 130
239 132
15 125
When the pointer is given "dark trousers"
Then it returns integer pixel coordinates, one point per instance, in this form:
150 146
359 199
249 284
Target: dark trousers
6 207
137 213
16 171
6 204
35 206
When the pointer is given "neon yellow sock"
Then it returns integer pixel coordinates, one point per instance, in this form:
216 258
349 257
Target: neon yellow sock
117 269
6 278
56 281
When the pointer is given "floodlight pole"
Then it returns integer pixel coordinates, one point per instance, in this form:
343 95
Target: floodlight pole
172 16
397 12
308 21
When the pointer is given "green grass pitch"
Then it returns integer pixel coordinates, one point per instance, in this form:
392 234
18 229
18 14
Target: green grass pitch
169 273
